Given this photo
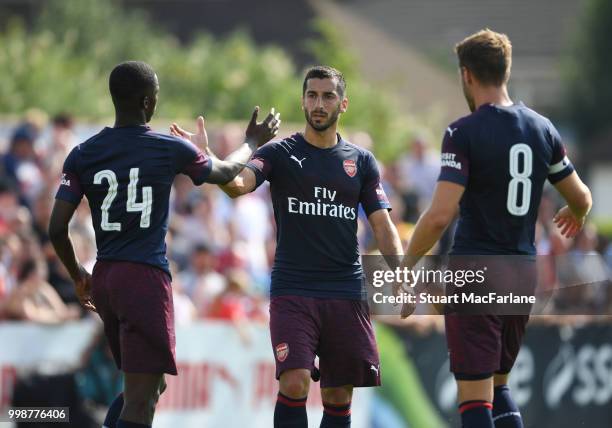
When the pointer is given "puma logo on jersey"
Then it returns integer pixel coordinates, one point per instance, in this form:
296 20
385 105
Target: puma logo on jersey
451 131
299 161
374 368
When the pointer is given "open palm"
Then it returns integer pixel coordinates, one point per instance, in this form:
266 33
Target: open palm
200 138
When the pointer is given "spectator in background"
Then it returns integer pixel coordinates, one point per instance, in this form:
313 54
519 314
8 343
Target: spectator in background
202 224
86 250
227 140
235 304
41 213
184 310
397 179
61 141
35 300
9 204
590 268
21 164
4 281
82 221
252 225
607 252
419 171
200 280
179 196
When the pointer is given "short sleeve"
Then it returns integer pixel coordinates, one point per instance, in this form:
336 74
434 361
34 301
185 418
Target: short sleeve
372 196
560 165
455 165
192 162
262 162
70 188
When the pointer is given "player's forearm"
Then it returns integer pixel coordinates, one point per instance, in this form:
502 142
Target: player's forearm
65 250
427 232
230 187
390 246
581 206
226 170
233 189
576 194
243 154
388 240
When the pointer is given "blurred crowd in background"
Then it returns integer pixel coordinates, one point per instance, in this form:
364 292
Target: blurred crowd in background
221 250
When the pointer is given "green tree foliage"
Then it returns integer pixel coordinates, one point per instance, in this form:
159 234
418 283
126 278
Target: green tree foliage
62 64
588 72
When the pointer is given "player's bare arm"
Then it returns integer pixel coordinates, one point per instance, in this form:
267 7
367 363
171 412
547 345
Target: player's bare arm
385 232
242 184
389 244
257 134
58 234
571 217
434 221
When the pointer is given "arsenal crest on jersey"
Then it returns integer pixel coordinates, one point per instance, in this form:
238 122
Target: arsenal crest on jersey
350 167
282 351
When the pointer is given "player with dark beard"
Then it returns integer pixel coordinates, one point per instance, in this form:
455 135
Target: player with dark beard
318 308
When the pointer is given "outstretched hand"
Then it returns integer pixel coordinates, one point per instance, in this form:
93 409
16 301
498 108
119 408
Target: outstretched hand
263 132
568 223
200 138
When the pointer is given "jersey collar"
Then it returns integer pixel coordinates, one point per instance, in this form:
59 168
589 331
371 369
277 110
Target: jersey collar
300 138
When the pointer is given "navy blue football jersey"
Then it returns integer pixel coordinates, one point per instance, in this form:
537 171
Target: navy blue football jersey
503 156
126 175
316 195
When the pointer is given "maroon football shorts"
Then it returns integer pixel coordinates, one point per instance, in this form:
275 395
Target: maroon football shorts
134 301
338 331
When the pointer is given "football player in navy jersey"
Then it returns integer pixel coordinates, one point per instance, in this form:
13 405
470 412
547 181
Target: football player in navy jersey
495 163
126 172
318 180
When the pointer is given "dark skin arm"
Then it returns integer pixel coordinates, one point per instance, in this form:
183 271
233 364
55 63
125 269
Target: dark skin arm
58 234
257 134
